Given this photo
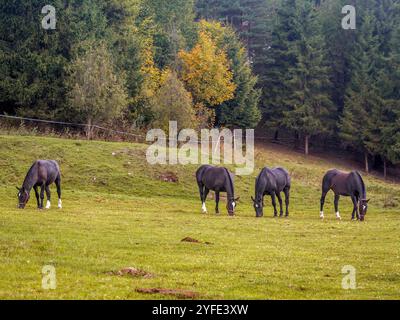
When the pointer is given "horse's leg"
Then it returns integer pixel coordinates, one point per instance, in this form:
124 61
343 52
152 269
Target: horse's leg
48 194
278 194
41 196
58 185
201 191
353 215
287 196
205 194
357 211
337 197
321 214
37 195
216 202
274 204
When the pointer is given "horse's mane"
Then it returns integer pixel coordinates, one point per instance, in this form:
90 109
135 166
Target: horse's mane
28 176
230 181
363 190
258 177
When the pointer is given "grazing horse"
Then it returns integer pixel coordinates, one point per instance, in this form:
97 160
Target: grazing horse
349 185
218 180
272 182
42 174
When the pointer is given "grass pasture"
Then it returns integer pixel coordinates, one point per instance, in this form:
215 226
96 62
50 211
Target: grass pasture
118 213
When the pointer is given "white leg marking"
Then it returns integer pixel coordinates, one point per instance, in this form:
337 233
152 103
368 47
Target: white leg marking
59 204
338 216
321 215
203 208
48 204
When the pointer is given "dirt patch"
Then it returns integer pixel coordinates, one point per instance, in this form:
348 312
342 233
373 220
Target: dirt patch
168 177
191 240
132 272
182 294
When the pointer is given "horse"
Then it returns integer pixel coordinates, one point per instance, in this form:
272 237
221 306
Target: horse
41 174
272 182
219 180
349 185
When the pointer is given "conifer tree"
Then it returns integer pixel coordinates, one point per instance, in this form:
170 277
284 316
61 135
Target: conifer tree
309 103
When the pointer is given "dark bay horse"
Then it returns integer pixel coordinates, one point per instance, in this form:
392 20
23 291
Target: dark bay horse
272 182
42 174
349 185
219 180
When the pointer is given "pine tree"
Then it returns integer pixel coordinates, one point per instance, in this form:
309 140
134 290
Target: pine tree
362 98
279 59
340 47
310 106
384 132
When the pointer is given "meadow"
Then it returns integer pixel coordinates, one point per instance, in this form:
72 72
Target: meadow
118 213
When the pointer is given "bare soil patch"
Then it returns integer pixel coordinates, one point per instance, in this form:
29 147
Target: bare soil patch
192 240
133 272
168 177
182 294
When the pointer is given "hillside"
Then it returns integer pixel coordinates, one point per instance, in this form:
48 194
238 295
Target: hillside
118 213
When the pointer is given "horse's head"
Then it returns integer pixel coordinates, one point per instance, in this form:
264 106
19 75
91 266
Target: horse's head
363 207
23 197
258 206
231 205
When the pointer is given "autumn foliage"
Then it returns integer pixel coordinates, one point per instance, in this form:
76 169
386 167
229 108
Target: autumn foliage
206 72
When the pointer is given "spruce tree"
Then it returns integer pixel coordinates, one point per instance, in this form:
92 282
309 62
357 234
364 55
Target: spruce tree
279 59
309 103
362 99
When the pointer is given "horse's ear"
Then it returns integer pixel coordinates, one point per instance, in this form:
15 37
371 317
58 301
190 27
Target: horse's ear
237 199
18 189
253 199
368 200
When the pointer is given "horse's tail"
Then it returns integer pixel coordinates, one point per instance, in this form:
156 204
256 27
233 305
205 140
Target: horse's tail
287 177
363 191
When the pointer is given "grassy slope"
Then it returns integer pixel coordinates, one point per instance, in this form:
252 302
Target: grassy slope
118 214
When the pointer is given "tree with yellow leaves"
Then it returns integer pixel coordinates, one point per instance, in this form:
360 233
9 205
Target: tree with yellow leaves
206 73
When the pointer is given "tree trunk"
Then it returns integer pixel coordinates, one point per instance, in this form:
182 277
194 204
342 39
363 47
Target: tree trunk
366 162
296 140
306 144
276 136
384 169
89 129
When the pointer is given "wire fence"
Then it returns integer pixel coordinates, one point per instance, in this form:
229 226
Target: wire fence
322 145
140 137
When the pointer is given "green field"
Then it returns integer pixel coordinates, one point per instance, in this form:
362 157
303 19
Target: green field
118 213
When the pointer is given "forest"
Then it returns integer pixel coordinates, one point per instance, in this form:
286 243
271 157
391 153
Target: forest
287 67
